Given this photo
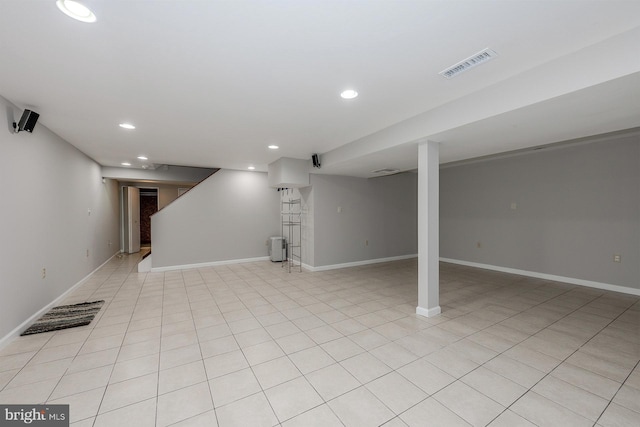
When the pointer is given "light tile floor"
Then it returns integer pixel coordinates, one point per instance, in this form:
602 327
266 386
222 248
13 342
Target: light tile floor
252 345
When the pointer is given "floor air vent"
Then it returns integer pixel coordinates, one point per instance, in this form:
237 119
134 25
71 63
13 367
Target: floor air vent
464 65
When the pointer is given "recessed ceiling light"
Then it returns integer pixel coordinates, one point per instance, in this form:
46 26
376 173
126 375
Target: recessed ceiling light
349 94
76 10
251 168
142 158
273 147
125 164
127 126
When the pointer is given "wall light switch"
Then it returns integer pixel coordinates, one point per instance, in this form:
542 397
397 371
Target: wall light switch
339 209
514 206
617 258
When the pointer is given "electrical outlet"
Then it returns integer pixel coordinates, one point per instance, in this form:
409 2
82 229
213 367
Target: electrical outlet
617 258
44 273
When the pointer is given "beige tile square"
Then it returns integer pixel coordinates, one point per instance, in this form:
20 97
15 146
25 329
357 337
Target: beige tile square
283 329
472 351
133 351
135 368
232 387
82 381
40 372
618 416
183 404
320 416
451 362
213 332
431 413
332 381
469 404
224 364
254 411
42 356
349 326
391 331
81 405
365 367
275 372
494 386
206 419
141 414
393 355
218 346
296 342
178 340
128 392
244 325
360 408
491 341
368 339
33 393
323 334
252 337
180 356
600 366
542 411
587 380
261 353
311 359
574 398
342 348
396 392
98 344
139 336
6 377
510 419
292 398
426 376
517 372
308 322
181 376
629 397
418 345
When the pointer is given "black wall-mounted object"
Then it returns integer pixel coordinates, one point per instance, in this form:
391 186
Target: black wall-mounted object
27 121
316 161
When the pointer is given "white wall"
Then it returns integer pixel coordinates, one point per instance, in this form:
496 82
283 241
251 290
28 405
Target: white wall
228 216
382 211
48 188
577 206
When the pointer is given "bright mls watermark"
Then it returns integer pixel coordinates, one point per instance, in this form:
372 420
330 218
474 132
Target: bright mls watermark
34 415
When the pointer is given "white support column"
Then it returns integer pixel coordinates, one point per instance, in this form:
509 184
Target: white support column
428 229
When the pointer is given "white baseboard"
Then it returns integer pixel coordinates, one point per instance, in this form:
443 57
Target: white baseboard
359 263
428 312
571 280
18 330
144 266
207 264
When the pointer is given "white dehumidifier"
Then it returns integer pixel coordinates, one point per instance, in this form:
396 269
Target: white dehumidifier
277 248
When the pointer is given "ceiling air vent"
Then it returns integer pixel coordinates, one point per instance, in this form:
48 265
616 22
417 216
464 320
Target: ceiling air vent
464 65
385 171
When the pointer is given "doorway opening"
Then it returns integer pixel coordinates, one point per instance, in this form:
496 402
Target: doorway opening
148 206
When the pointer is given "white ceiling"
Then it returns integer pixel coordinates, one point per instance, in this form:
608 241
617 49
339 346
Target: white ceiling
212 83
